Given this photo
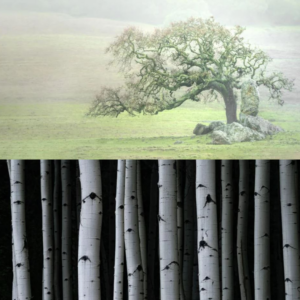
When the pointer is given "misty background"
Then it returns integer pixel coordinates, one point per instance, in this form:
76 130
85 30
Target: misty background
243 12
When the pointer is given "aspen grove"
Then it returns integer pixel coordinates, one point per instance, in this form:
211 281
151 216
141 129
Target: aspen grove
155 230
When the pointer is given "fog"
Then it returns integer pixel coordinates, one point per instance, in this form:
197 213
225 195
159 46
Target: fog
156 12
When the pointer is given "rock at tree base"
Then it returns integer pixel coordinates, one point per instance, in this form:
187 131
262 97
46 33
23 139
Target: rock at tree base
201 129
213 125
259 124
235 133
250 98
220 138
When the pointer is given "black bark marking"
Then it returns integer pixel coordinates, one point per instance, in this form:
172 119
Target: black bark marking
167 267
201 186
255 194
19 265
129 230
265 268
160 218
84 258
288 246
92 196
242 193
288 280
18 202
208 200
203 244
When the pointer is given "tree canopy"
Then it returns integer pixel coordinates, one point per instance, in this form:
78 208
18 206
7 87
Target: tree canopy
185 61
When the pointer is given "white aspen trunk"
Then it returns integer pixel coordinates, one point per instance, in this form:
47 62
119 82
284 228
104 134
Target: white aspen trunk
66 230
208 258
14 284
57 232
17 182
242 232
131 233
262 230
188 216
289 216
47 228
142 228
168 244
179 222
195 267
89 230
78 195
227 231
152 234
119 246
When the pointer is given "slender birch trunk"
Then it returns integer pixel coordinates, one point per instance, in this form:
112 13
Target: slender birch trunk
208 258
131 233
289 216
142 228
78 195
262 230
89 230
17 182
227 231
119 229
188 217
168 244
14 284
179 193
242 231
195 295
57 231
153 272
47 228
66 230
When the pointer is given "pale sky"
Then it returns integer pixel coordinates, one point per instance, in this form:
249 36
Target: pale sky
243 12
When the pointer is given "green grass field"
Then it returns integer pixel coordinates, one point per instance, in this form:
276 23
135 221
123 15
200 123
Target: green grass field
50 72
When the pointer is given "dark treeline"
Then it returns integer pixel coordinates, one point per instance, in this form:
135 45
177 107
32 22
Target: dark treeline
150 193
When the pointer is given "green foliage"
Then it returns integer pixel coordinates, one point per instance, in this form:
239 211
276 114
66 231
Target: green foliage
165 68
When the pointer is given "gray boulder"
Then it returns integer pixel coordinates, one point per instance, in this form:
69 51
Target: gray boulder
259 124
236 132
250 98
201 129
220 138
215 124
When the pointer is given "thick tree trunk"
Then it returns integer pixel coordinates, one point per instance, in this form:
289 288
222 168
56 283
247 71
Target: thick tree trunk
131 233
47 219
66 246
17 182
169 266
242 232
230 105
89 230
262 230
207 224
119 246
289 216
227 231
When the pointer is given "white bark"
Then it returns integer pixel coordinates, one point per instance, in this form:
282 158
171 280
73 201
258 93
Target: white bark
89 230
14 284
119 246
47 228
188 216
242 231
169 265
131 233
179 166
208 259
66 230
142 228
227 231
17 182
289 216
57 232
262 230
